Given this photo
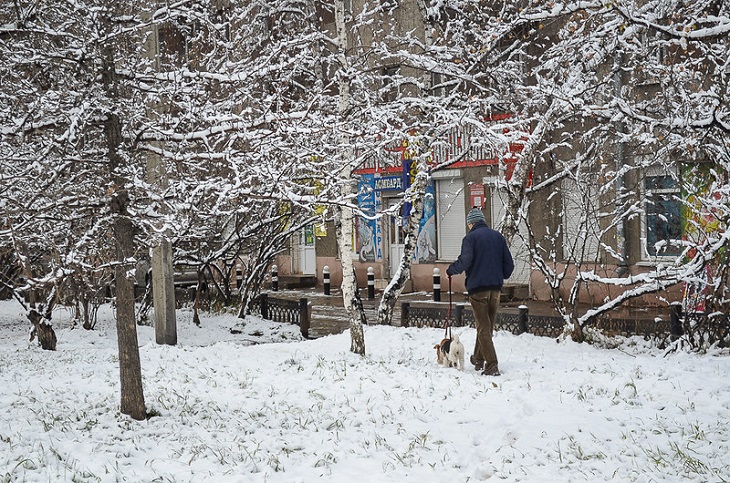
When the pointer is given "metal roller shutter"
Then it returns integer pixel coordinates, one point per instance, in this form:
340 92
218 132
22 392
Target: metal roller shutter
450 215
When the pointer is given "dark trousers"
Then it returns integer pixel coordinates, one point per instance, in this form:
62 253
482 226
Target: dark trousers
485 304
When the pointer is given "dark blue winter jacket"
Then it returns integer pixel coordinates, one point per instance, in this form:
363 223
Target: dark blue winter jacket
485 258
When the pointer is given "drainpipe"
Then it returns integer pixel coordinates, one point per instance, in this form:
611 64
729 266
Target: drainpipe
619 181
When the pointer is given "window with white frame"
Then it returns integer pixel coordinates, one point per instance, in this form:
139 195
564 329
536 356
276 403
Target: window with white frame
663 214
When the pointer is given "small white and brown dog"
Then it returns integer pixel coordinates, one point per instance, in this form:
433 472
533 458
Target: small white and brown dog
450 352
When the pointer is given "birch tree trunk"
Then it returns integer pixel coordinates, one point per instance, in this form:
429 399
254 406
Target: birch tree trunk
130 370
343 215
403 273
517 187
417 194
350 296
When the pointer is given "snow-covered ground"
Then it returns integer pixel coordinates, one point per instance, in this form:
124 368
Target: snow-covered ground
266 406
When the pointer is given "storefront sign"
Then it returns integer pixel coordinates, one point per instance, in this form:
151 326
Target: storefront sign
389 183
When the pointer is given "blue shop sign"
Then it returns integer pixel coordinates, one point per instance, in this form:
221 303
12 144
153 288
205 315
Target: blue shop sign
389 183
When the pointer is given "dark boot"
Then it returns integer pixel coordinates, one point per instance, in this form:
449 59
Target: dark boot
491 370
478 365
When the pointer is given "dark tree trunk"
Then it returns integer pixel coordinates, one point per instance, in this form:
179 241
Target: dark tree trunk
578 335
42 329
196 304
130 370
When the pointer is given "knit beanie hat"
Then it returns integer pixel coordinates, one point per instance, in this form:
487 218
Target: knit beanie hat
475 215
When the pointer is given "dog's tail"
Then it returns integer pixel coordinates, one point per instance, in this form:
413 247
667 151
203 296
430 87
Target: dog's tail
455 337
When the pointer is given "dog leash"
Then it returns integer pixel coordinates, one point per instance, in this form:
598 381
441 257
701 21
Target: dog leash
447 328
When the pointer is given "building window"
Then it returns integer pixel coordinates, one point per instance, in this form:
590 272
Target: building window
390 83
581 230
663 209
438 84
172 46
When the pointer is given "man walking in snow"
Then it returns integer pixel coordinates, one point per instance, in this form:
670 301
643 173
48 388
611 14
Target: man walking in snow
487 261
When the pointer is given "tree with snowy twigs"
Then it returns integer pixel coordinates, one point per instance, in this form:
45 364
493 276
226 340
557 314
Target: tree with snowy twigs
601 102
637 148
210 130
256 114
63 150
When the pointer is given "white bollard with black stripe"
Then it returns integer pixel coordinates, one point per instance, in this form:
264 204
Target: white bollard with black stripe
371 283
326 279
436 285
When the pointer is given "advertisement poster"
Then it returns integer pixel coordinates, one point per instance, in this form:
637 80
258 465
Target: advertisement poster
369 233
368 239
426 243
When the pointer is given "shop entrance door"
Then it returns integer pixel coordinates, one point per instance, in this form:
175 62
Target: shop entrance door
396 236
306 251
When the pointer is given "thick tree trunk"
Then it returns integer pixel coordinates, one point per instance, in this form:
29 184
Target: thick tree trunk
343 217
350 296
43 330
130 370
